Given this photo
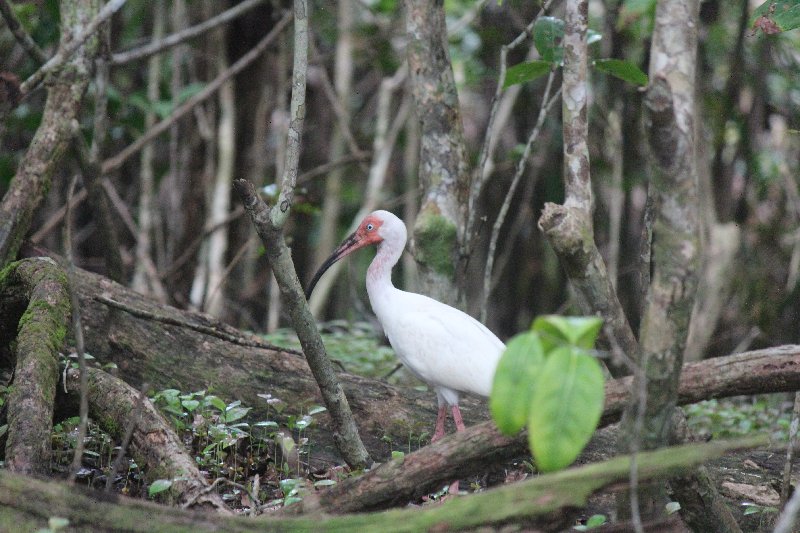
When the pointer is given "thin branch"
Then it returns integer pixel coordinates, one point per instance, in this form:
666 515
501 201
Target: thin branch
22 37
790 449
65 52
521 164
207 330
342 115
482 171
297 115
225 273
568 227
382 148
159 45
77 330
327 167
192 248
116 161
788 517
126 439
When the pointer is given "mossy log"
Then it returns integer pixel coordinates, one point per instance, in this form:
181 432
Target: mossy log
539 503
171 348
36 292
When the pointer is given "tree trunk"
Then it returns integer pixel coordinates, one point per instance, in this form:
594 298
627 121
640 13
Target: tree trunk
443 173
54 134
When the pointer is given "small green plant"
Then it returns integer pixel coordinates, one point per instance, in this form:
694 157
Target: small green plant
226 445
548 380
596 520
737 417
753 508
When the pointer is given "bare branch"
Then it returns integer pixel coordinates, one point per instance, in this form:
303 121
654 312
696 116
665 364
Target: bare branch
547 103
65 52
22 37
297 115
116 161
77 330
279 256
483 170
159 45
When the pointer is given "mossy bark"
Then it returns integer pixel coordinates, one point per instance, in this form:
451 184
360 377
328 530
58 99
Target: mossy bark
541 503
443 170
40 334
65 92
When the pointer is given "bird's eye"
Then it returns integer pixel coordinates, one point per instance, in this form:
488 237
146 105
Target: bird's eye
370 227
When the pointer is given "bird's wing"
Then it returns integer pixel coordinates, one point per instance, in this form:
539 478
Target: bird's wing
443 346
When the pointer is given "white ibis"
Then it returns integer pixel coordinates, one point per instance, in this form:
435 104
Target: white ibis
444 347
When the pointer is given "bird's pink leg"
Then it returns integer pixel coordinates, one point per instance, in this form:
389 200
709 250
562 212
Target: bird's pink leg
457 418
459 427
440 418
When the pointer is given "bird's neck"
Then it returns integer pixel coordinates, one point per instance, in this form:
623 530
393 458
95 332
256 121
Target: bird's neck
379 273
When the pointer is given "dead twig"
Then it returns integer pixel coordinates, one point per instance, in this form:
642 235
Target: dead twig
159 45
208 330
65 52
22 37
77 330
116 161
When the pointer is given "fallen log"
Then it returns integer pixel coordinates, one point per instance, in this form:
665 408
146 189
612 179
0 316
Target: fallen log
35 291
771 370
539 503
190 351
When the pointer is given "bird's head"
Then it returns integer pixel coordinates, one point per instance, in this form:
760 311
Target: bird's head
377 227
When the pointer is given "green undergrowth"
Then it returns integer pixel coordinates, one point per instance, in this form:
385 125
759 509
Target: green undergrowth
355 347
741 416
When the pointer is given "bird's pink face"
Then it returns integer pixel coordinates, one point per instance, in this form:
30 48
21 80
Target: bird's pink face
366 234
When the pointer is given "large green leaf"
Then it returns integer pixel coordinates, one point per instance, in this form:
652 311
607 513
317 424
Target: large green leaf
547 35
514 380
526 72
624 70
565 408
784 16
556 330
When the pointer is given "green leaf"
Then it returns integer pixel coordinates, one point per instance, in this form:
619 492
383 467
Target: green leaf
556 330
784 16
235 413
547 35
216 401
514 378
159 485
317 409
565 409
398 455
624 70
190 405
526 72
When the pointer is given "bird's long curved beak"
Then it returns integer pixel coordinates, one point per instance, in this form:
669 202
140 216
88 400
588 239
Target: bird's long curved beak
348 246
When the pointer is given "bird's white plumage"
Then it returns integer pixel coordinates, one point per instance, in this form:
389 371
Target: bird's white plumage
446 348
